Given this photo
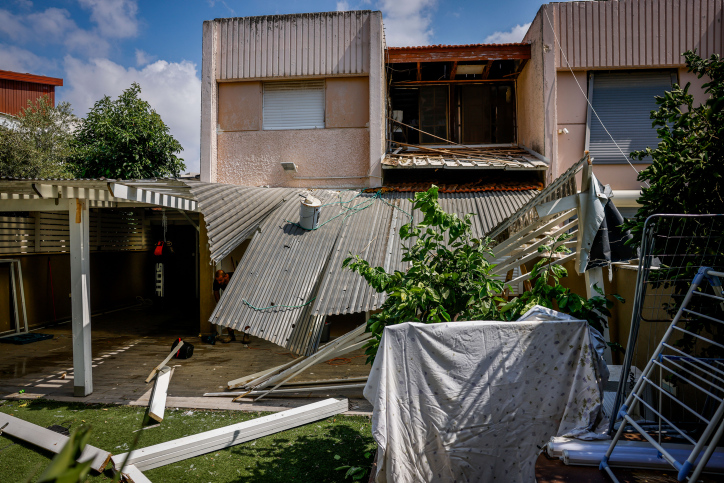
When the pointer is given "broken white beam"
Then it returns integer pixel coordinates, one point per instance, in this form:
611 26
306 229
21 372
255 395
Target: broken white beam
157 404
165 361
257 375
50 440
131 474
529 233
531 252
139 195
557 206
340 346
287 390
324 353
558 261
221 438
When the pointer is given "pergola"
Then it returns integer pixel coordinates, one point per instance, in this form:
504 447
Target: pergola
77 196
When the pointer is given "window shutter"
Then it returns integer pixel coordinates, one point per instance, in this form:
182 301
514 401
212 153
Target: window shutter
293 105
624 102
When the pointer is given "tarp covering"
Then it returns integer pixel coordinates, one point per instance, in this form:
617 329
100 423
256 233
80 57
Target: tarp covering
474 401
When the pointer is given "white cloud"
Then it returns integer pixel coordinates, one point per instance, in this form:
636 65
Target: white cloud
513 35
52 25
115 18
172 88
20 60
11 26
343 6
143 58
407 22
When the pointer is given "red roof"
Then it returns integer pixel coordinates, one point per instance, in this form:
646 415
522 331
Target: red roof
35 79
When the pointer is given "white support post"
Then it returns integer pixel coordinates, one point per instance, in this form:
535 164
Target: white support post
594 276
80 296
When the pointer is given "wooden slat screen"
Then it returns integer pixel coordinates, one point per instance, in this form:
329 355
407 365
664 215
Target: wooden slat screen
48 232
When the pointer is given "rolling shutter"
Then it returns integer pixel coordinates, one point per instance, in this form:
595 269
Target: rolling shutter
624 102
293 105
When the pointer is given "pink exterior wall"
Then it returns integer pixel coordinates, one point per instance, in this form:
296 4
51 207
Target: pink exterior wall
619 35
529 89
346 49
252 158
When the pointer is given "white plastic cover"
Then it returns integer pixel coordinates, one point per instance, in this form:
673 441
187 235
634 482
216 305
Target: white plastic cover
475 401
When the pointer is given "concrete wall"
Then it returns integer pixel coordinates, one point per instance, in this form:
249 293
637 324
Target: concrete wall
253 158
240 105
636 34
346 49
116 279
347 102
531 106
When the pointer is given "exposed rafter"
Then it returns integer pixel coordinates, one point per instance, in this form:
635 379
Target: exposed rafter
453 53
486 71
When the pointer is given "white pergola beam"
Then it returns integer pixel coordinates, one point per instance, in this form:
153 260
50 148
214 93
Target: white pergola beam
145 196
80 296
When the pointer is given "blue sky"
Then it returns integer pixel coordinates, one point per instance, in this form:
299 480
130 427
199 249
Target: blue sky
100 46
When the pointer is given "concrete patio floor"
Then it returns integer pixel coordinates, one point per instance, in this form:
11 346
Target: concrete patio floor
128 344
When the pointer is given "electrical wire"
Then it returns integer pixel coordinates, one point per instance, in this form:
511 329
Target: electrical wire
586 96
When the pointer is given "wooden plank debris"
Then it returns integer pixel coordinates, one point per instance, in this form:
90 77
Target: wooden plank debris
349 342
267 372
157 403
50 440
289 390
131 474
221 438
165 361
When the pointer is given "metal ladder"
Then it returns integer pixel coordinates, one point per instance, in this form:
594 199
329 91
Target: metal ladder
686 368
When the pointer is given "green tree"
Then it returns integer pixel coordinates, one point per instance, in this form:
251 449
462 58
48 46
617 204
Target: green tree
449 276
685 175
125 139
39 143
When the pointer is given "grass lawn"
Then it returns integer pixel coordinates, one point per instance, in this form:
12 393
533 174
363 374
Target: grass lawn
304 454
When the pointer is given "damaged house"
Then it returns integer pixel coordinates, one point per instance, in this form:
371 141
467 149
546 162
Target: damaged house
318 106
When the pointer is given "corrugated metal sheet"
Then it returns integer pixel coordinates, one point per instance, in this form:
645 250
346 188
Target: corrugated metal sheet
282 267
14 95
374 235
232 213
287 266
635 32
365 234
293 105
294 45
623 102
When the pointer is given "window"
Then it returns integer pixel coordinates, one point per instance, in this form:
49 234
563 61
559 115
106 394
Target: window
488 114
433 113
468 113
623 101
293 105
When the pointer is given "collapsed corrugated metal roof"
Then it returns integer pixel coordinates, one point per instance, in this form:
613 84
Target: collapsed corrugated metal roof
276 279
232 213
374 235
289 278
